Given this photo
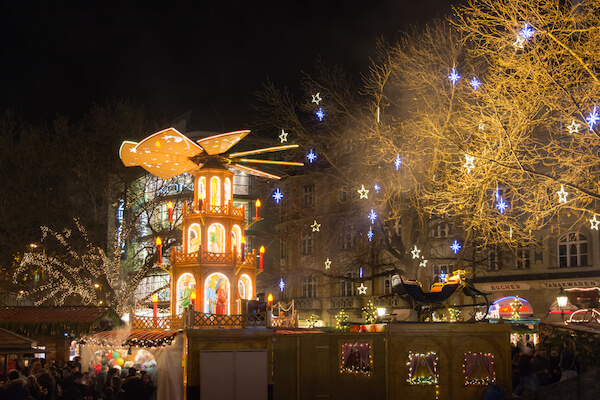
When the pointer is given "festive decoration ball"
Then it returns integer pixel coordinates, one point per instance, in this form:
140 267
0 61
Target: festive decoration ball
120 361
109 356
115 355
112 362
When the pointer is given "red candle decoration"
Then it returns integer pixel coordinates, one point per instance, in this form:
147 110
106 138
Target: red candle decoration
243 247
170 208
155 304
257 208
262 253
159 245
270 299
193 300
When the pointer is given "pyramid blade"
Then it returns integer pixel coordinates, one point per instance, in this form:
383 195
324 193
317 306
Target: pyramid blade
253 171
271 162
218 144
265 150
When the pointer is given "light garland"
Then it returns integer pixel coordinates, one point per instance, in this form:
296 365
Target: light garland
312 321
370 312
340 318
454 314
353 368
422 380
515 306
479 381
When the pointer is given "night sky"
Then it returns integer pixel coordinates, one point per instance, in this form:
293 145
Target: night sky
59 57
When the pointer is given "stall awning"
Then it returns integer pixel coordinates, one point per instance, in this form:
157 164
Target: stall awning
138 338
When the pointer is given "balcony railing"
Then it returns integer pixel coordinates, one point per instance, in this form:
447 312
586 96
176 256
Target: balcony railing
201 256
227 209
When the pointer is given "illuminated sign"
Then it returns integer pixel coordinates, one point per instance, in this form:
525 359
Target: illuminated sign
174 188
583 283
496 287
502 308
120 213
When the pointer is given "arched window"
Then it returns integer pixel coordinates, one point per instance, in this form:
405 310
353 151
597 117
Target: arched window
216 294
572 250
227 190
236 238
202 188
216 238
215 191
194 236
245 287
186 285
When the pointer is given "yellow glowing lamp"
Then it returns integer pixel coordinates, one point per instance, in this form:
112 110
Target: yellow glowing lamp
193 296
243 240
262 249
158 241
154 298
270 298
170 205
257 202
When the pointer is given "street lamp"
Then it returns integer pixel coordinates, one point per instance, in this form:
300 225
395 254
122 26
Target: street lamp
562 301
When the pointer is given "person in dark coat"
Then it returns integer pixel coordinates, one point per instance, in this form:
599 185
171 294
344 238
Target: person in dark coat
133 387
525 358
569 364
15 388
540 368
554 364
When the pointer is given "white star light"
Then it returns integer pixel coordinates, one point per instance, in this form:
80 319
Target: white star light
423 263
475 83
362 289
370 234
481 125
574 127
519 42
277 195
316 98
364 193
454 76
283 136
594 222
320 114
311 156
372 216
593 118
398 162
315 226
281 285
470 164
456 247
415 252
562 195
501 205
327 263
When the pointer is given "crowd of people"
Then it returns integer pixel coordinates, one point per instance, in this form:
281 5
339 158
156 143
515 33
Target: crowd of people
46 380
534 368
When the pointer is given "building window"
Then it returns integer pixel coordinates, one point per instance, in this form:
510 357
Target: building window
343 194
522 258
307 243
441 273
347 238
282 248
309 286
387 284
308 196
347 285
572 250
493 263
439 230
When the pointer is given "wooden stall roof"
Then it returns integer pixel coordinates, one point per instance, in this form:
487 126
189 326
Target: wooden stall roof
132 337
11 343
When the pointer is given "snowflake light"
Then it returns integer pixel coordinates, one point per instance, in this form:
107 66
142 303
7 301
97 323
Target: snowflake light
315 226
527 32
316 98
456 247
377 188
370 234
594 222
398 162
311 156
475 83
415 252
470 164
573 127
593 118
364 193
562 195
327 263
281 285
277 195
362 289
283 136
320 114
454 76
501 205
372 216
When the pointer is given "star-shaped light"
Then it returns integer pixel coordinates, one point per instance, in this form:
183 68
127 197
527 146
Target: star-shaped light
315 226
316 98
277 195
475 83
454 76
398 162
456 247
573 127
527 32
283 136
327 263
377 188
593 118
364 193
362 289
311 156
281 285
423 263
415 252
470 164
594 222
320 114
481 126
370 234
519 43
501 205
372 216
562 195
